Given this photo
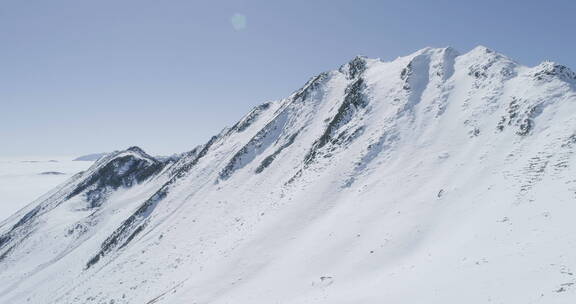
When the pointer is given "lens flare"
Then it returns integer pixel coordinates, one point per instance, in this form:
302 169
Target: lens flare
238 21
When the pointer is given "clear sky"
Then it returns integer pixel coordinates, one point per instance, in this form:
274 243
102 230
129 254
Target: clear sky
82 76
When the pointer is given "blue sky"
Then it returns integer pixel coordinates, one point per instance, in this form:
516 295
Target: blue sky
88 76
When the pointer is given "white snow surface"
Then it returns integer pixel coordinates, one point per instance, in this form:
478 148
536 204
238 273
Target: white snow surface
433 178
22 181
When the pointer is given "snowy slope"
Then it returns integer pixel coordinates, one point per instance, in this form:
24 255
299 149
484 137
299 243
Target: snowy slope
23 179
433 178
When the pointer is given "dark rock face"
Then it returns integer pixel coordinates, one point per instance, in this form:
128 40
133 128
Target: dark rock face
192 159
312 86
353 101
551 70
27 217
136 223
7 243
257 144
250 118
523 120
130 228
270 158
121 171
355 67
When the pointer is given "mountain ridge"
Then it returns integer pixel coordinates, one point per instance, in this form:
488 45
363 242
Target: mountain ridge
373 174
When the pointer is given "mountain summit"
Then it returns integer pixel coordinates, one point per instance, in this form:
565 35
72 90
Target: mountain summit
437 177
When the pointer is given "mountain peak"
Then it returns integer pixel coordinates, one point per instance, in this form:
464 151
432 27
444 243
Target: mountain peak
482 53
549 69
365 172
481 49
355 67
133 151
136 149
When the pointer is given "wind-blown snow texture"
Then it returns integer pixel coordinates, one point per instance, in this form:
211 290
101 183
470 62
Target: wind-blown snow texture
434 178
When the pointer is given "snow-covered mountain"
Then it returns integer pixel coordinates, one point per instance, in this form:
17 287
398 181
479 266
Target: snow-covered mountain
23 179
433 178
